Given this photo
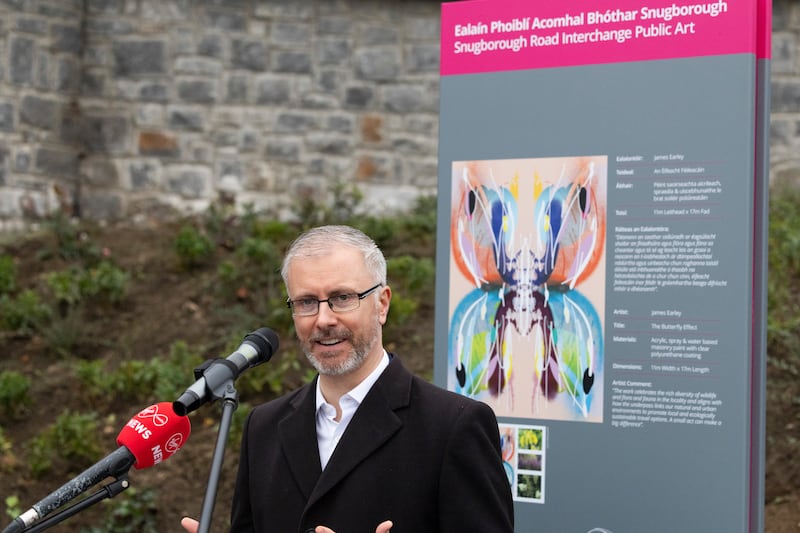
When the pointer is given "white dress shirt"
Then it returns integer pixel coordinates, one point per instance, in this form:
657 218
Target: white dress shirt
329 431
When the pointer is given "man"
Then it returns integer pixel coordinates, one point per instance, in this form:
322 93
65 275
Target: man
367 446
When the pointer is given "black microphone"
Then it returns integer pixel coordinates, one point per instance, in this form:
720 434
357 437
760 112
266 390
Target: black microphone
150 437
256 348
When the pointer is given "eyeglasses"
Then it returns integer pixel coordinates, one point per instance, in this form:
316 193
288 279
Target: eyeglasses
338 303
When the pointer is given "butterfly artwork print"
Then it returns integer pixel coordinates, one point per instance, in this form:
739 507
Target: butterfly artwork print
527 268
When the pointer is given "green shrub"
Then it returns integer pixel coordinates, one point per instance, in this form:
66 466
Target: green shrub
783 318
65 286
12 506
105 281
23 314
134 512
193 247
415 276
73 437
108 281
8 275
140 380
73 242
7 458
14 388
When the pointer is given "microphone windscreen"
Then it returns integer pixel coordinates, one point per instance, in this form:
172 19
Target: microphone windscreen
154 434
266 342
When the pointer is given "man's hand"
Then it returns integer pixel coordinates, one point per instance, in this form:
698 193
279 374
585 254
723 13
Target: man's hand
189 524
383 527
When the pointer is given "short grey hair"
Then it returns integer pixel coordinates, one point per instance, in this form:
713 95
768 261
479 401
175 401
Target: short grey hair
324 239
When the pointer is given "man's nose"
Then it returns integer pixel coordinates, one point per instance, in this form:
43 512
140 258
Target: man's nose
325 315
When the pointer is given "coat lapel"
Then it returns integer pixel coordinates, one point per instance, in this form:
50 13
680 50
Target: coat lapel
298 437
373 424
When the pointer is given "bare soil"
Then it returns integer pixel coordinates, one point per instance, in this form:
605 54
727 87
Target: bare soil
165 303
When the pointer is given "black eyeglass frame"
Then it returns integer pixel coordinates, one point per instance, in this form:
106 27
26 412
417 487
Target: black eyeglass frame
360 295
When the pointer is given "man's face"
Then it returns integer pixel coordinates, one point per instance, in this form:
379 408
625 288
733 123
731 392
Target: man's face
338 343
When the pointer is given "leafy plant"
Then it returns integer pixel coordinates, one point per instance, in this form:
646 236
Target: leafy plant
783 318
73 437
77 284
12 506
72 240
24 313
14 388
140 380
8 275
7 458
135 512
193 247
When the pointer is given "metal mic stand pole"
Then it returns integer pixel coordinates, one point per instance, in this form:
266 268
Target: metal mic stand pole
107 491
229 404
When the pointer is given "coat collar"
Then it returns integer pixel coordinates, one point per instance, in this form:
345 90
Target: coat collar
373 424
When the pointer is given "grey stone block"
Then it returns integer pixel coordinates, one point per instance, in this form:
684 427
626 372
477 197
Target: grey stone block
249 54
39 112
359 97
66 39
106 134
186 119
377 64
287 150
272 90
197 91
6 117
143 175
139 58
21 60
295 122
292 62
57 162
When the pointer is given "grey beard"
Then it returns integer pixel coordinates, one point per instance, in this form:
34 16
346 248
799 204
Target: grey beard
353 361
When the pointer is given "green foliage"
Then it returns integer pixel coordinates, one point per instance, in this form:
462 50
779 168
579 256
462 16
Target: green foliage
12 506
23 313
8 275
73 437
413 282
402 309
139 380
7 458
134 512
66 286
416 276
14 388
783 318
339 208
108 281
73 242
77 284
281 375
193 247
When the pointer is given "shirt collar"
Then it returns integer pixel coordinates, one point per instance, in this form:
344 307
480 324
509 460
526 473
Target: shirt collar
359 392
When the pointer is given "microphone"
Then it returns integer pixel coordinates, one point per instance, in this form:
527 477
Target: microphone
256 348
150 437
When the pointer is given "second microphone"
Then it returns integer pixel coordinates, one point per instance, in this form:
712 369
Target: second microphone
256 348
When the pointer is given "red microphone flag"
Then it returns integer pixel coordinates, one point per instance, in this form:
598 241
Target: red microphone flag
154 434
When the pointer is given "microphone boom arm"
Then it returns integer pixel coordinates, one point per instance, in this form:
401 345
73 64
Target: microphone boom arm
106 491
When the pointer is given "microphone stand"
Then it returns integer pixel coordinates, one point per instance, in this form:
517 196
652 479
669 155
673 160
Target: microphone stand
107 491
227 392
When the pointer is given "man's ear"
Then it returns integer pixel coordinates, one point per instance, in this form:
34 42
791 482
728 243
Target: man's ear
384 298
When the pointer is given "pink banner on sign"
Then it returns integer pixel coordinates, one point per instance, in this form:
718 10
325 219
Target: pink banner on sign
501 35
764 29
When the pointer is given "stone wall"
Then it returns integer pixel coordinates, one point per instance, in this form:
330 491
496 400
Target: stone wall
119 108
785 96
112 108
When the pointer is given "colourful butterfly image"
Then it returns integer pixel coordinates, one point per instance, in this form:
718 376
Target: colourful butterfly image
526 261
